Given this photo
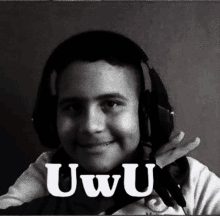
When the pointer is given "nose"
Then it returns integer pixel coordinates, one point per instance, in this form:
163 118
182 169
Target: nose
93 121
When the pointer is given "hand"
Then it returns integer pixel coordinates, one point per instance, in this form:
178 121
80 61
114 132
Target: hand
174 149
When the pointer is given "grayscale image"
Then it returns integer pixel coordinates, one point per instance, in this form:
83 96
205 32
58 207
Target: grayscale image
109 108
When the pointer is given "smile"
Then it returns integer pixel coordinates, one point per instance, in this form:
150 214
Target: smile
95 145
96 148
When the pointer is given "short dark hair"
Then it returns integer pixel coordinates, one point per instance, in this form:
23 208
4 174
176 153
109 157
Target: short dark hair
93 46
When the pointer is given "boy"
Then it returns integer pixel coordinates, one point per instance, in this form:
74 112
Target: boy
95 117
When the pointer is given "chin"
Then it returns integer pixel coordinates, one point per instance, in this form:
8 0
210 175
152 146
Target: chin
95 168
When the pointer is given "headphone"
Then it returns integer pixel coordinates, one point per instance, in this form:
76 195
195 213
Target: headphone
155 111
155 104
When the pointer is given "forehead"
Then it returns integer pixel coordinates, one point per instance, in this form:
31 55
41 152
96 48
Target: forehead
89 79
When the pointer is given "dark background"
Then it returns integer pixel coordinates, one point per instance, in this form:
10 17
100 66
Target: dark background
182 40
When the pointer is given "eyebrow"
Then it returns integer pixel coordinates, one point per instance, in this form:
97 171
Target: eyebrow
99 97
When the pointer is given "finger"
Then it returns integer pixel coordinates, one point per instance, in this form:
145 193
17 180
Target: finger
160 187
172 155
187 147
173 188
164 195
176 139
191 145
183 150
171 144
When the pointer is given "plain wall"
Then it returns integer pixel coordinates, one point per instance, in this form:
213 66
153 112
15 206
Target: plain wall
182 40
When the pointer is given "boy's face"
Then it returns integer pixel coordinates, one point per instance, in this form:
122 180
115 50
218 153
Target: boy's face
97 115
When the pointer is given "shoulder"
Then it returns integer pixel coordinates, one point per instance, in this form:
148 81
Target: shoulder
196 169
200 174
195 164
201 190
36 172
39 164
46 156
30 185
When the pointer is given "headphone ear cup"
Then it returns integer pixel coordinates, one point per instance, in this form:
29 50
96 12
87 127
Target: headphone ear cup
156 122
53 122
44 120
165 122
144 116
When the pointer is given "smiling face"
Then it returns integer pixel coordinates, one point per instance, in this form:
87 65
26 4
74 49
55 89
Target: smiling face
97 114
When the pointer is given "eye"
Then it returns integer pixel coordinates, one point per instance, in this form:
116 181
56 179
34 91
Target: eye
74 108
111 105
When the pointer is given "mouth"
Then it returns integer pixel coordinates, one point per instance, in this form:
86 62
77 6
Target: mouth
96 147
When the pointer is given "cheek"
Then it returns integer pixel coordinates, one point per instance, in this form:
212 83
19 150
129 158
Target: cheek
65 128
126 128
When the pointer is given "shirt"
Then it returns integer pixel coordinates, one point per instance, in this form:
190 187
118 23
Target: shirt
201 191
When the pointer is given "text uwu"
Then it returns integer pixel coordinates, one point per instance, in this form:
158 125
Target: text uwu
103 184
